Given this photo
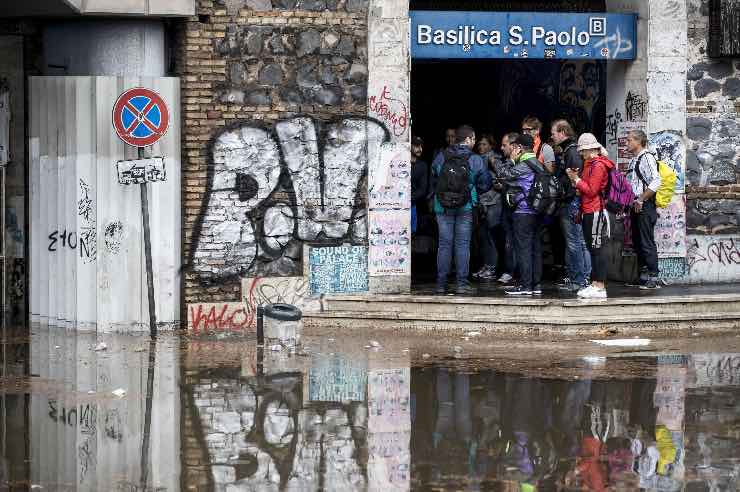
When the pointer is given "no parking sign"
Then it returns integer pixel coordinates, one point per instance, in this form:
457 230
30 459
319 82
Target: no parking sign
140 117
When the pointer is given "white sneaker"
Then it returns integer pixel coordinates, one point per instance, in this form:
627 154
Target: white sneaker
505 278
584 291
592 293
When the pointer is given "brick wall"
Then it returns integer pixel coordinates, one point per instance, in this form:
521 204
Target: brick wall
251 63
713 132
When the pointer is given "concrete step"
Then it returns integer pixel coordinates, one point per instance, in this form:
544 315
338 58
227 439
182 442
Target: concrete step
532 310
669 324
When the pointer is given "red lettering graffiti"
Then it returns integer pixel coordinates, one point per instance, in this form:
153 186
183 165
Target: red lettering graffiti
220 317
391 111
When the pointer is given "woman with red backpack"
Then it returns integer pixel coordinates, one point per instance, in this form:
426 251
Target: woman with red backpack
592 187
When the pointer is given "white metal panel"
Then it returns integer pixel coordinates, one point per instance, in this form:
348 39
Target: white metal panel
74 151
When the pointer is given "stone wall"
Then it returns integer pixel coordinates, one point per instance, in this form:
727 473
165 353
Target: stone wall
713 133
258 180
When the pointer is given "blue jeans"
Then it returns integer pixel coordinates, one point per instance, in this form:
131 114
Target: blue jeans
454 232
577 257
528 237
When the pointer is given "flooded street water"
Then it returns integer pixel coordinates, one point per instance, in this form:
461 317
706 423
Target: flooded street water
354 412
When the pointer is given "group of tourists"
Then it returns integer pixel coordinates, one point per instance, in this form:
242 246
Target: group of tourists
514 192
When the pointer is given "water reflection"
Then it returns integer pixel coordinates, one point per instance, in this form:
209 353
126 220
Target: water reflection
223 416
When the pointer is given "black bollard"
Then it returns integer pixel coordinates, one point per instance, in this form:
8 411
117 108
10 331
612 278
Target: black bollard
260 326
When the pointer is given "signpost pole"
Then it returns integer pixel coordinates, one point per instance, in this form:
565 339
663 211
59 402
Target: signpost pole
148 254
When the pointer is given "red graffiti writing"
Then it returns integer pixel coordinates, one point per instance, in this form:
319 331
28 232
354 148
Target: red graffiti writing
391 111
220 317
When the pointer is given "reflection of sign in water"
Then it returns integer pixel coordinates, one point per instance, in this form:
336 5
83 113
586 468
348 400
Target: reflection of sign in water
670 229
336 378
458 34
390 242
338 269
388 400
141 171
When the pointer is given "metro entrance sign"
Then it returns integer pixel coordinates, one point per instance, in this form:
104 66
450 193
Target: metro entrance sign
577 36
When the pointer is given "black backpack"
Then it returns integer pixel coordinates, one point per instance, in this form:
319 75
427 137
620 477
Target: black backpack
546 192
453 184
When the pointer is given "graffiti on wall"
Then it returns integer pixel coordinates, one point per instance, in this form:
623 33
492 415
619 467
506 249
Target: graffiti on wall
581 88
670 229
390 241
244 229
88 226
671 269
341 269
670 148
713 258
635 107
259 291
220 317
391 110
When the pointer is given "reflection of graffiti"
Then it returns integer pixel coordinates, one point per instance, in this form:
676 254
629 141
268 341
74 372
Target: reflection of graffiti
323 168
391 111
259 436
636 107
86 454
671 149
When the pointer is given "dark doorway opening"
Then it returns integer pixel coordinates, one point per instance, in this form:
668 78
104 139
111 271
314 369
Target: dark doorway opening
494 96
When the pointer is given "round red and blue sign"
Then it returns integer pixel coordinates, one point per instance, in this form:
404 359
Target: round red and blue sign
140 117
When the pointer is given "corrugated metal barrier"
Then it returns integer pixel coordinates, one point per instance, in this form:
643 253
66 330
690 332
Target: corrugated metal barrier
87 266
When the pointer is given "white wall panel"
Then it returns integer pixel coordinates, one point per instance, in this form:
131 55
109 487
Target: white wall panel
87 247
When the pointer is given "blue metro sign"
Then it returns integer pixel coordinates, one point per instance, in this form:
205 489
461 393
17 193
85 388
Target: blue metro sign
460 34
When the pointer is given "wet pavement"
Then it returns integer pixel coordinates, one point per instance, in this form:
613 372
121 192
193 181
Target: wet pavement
464 411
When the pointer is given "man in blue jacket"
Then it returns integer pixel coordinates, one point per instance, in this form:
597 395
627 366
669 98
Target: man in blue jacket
456 224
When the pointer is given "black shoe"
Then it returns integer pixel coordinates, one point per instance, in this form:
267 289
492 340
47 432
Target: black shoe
441 289
519 291
651 284
464 290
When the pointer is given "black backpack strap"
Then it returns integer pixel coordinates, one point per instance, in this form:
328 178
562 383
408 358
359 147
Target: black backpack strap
639 174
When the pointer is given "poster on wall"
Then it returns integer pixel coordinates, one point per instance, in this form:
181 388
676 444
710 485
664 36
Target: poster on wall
390 242
390 178
338 269
671 149
670 229
623 155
